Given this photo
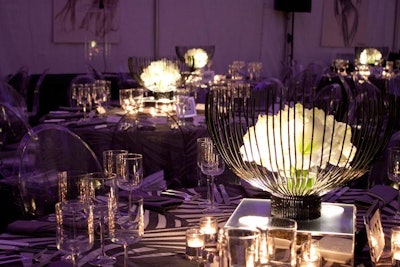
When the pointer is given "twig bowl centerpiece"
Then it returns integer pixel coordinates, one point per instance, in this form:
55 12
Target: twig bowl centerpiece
299 143
161 76
195 57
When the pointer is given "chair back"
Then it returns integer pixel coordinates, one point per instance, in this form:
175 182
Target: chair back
48 150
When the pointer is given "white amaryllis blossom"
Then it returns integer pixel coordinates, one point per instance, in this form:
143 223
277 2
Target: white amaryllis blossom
298 139
161 76
196 58
370 56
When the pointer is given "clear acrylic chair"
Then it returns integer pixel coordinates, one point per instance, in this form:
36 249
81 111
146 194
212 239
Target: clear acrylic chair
12 97
12 129
48 150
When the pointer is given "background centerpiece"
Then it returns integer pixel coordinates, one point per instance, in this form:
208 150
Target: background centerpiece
160 76
196 59
299 141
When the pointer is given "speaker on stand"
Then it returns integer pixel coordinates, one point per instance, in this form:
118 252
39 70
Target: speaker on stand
290 7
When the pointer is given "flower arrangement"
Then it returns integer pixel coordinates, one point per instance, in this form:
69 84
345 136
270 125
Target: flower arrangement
370 56
196 58
161 76
297 142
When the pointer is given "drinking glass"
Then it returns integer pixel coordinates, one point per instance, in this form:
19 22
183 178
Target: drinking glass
393 172
181 101
137 99
110 164
75 229
99 189
212 165
110 160
242 246
99 96
200 157
69 185
129 172
395 245
127 228
85 98
125 100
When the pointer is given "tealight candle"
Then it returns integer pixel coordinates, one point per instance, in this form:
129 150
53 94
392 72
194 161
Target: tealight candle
311 254
209 226
194 243
395 246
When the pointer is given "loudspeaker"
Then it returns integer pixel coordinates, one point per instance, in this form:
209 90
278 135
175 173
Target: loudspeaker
293 5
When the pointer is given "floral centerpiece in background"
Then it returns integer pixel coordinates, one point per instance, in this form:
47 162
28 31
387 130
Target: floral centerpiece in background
161 76
196 58
370 56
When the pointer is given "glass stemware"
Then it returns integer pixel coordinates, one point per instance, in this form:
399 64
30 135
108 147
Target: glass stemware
212 165
99 189
393 172
127 228
110 164
84 97
129 172
99 97
200 157
75 230
181 96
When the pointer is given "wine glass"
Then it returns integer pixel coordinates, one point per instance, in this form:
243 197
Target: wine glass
110 163
213 165
84 98
75 229
127 228
200 157
393 172
99 96
181 99
99 189
129 172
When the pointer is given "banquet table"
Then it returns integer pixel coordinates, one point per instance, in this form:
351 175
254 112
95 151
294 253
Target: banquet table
164 241
164 147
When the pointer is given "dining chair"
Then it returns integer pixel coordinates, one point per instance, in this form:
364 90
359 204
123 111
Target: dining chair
12 129
34 111
49 149
394 85
12 97
20 81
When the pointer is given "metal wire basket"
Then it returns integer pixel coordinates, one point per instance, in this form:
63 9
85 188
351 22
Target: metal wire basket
299 141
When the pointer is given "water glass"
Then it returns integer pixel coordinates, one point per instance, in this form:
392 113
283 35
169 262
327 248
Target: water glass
126 227
393 172
278 242
395 245
75 229
110 160
99 190
242 246
69 185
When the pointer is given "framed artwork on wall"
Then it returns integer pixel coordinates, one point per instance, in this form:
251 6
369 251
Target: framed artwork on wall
85 21
343 23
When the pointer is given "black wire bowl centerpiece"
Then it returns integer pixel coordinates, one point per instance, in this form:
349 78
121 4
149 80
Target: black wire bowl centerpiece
195 57
162 76
299 142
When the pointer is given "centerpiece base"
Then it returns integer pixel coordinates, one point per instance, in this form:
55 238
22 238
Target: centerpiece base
299 208
335 228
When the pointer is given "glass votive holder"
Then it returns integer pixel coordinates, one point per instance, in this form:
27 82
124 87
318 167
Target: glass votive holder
209 227
395 246
195 243
310 254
